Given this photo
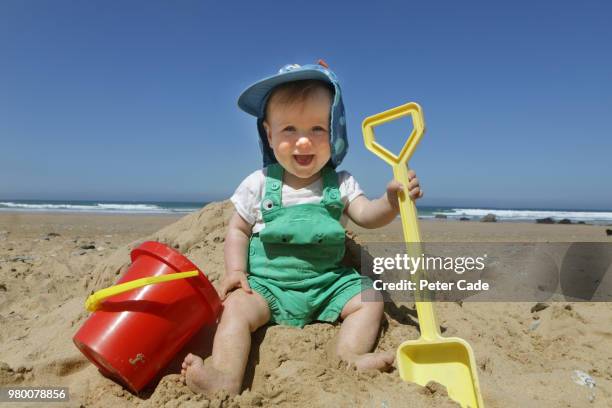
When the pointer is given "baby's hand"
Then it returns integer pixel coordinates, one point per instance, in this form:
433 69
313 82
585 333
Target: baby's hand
394 187
233 280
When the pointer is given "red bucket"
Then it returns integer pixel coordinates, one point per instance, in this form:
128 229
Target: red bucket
135 334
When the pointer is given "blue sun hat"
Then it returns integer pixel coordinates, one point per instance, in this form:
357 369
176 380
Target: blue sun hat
254 99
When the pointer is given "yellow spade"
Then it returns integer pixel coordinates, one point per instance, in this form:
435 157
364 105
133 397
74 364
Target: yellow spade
447 361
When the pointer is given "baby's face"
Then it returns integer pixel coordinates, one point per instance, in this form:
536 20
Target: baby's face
298 133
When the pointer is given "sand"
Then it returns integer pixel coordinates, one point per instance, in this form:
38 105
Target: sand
46 273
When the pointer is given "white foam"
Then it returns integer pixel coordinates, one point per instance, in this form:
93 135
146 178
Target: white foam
529 214
93 207
129 207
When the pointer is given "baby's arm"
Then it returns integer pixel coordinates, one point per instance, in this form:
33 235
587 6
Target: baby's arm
380 212
235 252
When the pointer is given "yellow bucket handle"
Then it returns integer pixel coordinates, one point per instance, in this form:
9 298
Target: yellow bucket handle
94 301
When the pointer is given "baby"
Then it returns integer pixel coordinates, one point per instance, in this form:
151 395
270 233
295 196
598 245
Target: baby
286 238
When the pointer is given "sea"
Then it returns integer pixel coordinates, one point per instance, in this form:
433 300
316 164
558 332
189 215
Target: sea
425 212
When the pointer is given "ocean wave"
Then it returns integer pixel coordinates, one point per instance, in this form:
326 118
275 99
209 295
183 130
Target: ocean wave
528 214
94 207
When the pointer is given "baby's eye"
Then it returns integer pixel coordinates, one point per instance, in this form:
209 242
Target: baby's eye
289 129
318 129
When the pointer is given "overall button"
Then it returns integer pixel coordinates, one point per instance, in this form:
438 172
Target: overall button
251 251
267 204
275 185
333 195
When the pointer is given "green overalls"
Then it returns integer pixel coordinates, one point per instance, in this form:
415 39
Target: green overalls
294 262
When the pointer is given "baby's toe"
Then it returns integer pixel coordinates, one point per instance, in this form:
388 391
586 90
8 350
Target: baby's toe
388 357
189 360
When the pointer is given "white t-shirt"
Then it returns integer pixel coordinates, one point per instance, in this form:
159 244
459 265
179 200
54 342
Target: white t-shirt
247 197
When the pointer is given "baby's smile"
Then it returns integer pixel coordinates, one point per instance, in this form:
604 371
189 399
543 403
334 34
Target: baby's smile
303 159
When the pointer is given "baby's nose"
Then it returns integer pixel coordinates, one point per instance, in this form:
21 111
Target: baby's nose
303 142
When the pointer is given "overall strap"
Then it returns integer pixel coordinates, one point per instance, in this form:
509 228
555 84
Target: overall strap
331 193
272 199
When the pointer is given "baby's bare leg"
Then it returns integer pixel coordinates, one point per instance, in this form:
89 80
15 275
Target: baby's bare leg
359 332
243 313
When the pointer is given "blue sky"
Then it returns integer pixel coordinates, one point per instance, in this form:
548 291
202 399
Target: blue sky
137 99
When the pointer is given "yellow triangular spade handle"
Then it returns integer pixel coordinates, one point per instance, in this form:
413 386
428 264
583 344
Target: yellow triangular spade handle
408 211
93 302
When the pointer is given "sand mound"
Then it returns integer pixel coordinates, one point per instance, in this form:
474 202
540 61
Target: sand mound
520 364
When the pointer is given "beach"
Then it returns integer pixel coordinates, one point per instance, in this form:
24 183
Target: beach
50 263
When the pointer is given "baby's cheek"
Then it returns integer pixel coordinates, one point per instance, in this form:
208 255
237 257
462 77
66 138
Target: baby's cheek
325 148
284 147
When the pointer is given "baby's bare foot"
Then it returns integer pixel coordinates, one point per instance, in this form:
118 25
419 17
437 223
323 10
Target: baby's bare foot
204 378
382 361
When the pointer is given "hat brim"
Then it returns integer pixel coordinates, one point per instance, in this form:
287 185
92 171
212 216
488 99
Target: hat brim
253 99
